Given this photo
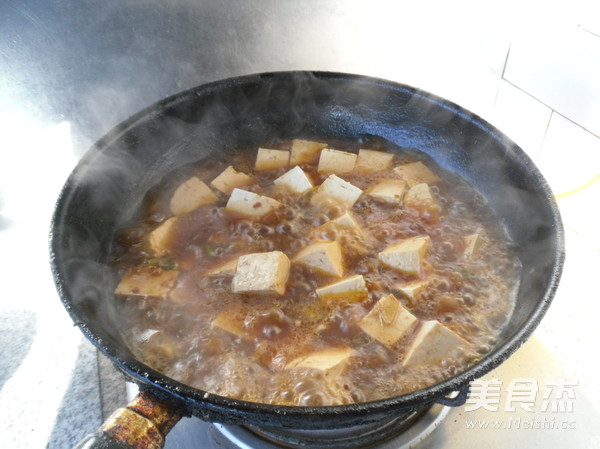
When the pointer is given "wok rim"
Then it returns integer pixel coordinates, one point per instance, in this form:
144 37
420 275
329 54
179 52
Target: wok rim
148 377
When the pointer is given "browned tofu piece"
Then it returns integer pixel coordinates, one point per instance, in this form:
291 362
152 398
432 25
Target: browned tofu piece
305 151
370 161
472 244
348 220
229 322
153 283
230 179
387 190
331 361
295 180
350 289
433 343
419 197
261 273
160 238
335 161
191 195
416 173
413 289
387 321
225 269
338 190
325 257
267 159
407 255
250 204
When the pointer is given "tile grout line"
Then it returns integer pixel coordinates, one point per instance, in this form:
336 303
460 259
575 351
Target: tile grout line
588 31
539 150
553 111
505 62
576 124
501 78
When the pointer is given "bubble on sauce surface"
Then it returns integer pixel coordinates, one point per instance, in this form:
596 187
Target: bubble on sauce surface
272 324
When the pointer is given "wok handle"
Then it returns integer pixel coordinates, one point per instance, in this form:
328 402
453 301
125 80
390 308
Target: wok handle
458 400
142 424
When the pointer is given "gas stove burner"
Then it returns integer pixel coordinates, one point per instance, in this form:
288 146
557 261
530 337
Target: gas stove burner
401 433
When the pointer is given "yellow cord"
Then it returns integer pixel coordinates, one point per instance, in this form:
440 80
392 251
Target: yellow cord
578 189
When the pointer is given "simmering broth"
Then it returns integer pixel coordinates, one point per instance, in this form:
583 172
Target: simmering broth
314 274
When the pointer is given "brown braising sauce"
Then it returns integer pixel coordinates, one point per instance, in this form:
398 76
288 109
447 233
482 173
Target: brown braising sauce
299 296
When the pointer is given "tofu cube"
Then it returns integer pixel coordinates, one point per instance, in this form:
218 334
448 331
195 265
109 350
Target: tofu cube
305 151
388 190
472 244
230 323
335 161
416 173
250 204
154 283
270 159
225 269
229 179
261 273
407 255
412 290
325 257
432 344
420 197
337 189
387 321
160 238
347 220
330 361
295 181
191 195
350 289
370 161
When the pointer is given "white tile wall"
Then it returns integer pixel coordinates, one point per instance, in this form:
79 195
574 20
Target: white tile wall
561 68
570 155
589 17
552 76
570 161
521 117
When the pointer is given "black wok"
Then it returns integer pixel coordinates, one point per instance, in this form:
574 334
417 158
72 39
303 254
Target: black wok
111 179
